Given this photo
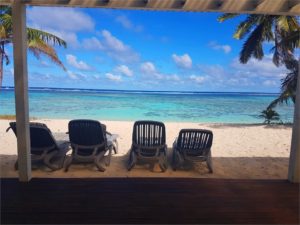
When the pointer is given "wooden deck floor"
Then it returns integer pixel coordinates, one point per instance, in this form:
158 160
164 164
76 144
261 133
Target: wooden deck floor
149 200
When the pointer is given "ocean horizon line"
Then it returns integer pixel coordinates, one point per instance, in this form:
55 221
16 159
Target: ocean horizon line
241 107
138 91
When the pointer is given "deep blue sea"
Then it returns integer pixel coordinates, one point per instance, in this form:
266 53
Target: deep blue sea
212 107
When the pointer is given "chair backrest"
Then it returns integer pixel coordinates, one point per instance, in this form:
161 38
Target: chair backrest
86 132
40 136
195 141
149 133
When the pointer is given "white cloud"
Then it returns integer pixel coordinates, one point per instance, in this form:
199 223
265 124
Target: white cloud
112 42
61 19
148 68
112 46
97 77
70 38
72 75
126 23
225 48
62 22
76 76
123 69
183 61
173 77
115 78
92 44
197 79
270 83
72 60
259 68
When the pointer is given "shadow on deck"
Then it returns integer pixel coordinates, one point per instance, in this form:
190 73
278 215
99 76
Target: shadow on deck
149 200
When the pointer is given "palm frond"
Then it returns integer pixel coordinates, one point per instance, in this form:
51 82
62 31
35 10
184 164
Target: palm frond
288 85
6 21
269 114
227 16
38 47
291 40
253 45
46 37
3 34
245 27
287 23
2 51
283 98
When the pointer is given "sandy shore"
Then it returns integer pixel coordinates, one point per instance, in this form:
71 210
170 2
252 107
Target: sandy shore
238 151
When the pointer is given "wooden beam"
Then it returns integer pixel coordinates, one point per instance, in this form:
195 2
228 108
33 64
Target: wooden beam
21 89
273 7
294 164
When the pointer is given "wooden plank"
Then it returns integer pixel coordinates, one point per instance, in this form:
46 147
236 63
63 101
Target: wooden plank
294 163
149 200
273 7
21 89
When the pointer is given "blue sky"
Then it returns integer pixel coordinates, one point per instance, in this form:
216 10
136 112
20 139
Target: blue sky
145 50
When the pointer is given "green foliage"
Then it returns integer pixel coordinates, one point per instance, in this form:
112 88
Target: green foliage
39 42
288 84
284 32
269 115
256 29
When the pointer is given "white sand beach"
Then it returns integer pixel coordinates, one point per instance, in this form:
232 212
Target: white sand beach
238 151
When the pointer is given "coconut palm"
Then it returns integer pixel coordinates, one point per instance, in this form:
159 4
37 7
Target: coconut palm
269 115
257 29
284 31
39 42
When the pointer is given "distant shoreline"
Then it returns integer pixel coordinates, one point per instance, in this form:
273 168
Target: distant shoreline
216 124
140 91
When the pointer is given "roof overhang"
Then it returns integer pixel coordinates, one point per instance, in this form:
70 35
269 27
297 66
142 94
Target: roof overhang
274 7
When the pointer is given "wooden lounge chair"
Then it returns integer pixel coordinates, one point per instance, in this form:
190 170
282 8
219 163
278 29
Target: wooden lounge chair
148 142
193 145
43 145
89 143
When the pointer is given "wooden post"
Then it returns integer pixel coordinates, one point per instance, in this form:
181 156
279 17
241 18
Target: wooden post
294 164
21 89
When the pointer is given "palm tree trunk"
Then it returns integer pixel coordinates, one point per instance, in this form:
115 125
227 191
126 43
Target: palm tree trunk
1 63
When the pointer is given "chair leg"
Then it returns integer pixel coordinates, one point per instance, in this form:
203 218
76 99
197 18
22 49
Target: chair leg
48 158
107 162
175 160
116 146
209 163
99 167
16 165
163 162
68 163
132 160
98 163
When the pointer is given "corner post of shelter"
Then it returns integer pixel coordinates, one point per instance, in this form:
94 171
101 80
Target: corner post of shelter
21 89
294 164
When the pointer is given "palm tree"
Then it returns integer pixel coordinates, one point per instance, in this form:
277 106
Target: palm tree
39 42
257 29
269 115
284 31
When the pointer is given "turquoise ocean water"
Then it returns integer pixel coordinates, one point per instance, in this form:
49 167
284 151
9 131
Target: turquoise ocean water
141 105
